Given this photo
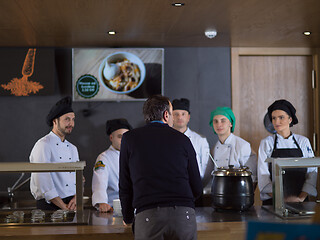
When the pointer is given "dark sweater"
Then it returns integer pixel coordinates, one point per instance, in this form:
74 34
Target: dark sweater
158 167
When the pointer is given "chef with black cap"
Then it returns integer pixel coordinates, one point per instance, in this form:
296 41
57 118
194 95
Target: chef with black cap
55 190
105 180
298 182
181 118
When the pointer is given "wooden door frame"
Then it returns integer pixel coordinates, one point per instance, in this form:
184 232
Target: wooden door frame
236 53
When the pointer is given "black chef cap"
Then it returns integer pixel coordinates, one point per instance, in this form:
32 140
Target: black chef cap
60 108
115 124
181 104
286 106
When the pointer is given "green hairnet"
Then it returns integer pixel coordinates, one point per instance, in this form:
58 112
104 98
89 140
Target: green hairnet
225 111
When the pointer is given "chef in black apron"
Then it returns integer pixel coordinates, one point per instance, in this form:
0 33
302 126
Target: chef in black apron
298 183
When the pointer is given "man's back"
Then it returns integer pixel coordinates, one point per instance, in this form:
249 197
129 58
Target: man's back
159 164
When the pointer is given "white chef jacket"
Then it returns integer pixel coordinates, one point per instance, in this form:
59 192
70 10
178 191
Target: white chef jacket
105 179
265 151
201 147
236 151
48 185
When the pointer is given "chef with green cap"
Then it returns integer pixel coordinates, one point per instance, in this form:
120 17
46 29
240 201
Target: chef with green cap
231 149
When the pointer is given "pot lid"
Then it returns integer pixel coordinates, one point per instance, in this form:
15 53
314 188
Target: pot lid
232 171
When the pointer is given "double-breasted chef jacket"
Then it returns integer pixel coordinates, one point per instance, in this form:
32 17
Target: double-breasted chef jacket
237 152
105 180
48 185
266 150
201 146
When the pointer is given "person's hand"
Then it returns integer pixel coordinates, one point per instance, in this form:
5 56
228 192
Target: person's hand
58 202
293 199
302 196
104 207
72 205
127 224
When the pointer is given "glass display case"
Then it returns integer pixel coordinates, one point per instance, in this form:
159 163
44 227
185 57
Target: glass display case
280 208
73 217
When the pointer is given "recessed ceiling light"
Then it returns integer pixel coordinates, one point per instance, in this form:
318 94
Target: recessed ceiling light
307 33
112 32
177 4
210 33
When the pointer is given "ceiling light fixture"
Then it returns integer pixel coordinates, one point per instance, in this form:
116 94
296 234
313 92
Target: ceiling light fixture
177 4
307 33
210 33
112 32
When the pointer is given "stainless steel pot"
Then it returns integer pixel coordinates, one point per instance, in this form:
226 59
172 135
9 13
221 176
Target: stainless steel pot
232 188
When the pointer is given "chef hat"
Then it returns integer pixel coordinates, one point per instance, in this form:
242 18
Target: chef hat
225 111
60 108
181 104
286 106
115 124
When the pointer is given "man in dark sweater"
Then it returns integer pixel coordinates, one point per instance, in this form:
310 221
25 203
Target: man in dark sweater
159 177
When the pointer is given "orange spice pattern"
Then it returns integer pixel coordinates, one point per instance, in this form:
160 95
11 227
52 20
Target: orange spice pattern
21 86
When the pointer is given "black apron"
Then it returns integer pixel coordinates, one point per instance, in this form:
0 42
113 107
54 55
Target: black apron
294 178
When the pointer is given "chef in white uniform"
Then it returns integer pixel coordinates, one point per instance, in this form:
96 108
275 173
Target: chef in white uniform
181 118
55 190
105 180
231 149
298 183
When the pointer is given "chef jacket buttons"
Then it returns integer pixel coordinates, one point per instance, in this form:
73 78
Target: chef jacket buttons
69 158
57 144
60 157
67 185
147 219
188 217
67 145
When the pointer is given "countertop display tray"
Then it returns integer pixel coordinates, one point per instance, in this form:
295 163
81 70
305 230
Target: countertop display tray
304 208
70 219
294 210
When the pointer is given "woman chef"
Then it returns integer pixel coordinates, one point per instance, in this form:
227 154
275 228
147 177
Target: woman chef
231 149
299 182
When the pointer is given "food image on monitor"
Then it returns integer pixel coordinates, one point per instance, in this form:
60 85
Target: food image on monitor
126 75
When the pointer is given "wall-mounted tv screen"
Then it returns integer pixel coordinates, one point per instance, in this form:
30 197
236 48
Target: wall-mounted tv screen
116 74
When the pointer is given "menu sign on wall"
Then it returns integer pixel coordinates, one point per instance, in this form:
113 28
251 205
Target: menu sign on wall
101 74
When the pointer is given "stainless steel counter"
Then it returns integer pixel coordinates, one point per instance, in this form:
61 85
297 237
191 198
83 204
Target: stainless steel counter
204 215
211 225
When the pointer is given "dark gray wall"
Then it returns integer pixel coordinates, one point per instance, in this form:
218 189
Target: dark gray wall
200 74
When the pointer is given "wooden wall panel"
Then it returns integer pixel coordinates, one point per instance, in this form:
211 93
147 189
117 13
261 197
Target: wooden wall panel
257 71
264 79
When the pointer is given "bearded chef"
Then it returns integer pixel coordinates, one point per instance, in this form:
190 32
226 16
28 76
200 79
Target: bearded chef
231 149
105 180
55 190
181 118
298 183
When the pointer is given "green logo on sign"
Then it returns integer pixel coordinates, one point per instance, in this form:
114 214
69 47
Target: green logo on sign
87 86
